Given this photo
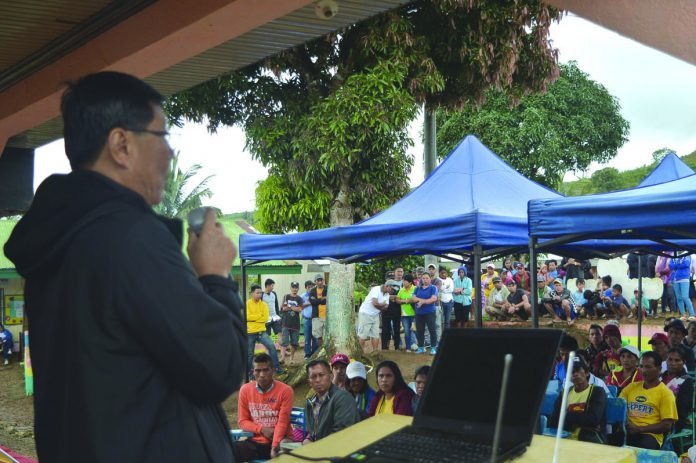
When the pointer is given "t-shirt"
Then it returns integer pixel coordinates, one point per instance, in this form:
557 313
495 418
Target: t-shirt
542 293
446 289
618 300
649 406
291 319
577 403
516 297
307 311
270 409
385 406
644 302
406 309
270 300
322 307
579 298
497 295
425 293
375 293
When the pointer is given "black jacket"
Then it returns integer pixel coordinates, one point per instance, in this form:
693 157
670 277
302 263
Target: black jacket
317 301
338 412
132 353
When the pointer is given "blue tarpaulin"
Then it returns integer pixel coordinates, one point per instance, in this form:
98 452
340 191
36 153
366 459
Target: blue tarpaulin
472 198
670 168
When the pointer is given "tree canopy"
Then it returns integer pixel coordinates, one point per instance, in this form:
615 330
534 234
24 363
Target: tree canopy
576 122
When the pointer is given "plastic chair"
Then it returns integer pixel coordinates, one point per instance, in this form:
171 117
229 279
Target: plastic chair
553 387
548 403
613 390
615 414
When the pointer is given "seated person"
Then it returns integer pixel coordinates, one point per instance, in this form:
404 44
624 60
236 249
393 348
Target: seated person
517 302
579 300
681 384
645 304
420 378
596 298
329 409
596 344
264 408
495 300
616 303
559 304
585 409
362 392
394 397
629 357
609 359
568 344
652 408
339 364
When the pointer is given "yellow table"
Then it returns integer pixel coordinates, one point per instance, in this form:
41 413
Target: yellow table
364 433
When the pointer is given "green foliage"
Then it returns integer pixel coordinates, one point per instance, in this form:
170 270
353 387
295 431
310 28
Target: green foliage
659 155
329 118
179 198
575 123
369 275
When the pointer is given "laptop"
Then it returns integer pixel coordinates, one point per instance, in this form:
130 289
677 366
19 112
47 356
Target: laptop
456 416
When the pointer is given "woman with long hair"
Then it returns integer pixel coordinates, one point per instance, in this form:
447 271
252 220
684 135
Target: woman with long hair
680 383
394 397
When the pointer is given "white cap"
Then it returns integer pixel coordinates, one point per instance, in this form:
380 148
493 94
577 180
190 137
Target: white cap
631 349
356 370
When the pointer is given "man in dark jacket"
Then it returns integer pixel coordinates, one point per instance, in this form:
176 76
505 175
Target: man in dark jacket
330 409
148 345
317 297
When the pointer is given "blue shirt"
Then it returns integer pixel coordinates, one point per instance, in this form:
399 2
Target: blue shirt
425 293
307 311
579 298
618 300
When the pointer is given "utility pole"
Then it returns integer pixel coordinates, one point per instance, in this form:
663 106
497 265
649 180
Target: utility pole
429 158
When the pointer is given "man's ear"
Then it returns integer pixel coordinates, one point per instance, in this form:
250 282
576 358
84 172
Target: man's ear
119 147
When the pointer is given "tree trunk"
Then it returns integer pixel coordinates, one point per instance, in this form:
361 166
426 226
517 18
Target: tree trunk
340 335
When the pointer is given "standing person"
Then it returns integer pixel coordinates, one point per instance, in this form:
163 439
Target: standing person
329 409
668 299
596 345
652 409
629 373
404 298
317 297
436 282
391 318
681 272
6 344
257 316
290 318
362 392
552 265
507 266
446 293
462 297
376 301
522 277
339 363
393 397
149 344
270 297
264 407
424 298
310 342
573 268
682 386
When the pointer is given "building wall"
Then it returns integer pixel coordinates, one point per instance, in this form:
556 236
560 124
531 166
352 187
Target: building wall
12 287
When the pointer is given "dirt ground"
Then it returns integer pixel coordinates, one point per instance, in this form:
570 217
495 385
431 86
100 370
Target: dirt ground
17 410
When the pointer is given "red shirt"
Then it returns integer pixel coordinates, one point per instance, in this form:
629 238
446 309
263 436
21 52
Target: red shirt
270 409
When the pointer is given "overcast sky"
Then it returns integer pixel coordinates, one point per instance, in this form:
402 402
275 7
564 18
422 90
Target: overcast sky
657 94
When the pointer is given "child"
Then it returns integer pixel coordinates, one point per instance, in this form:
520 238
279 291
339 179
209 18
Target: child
638 296
580 301
617 302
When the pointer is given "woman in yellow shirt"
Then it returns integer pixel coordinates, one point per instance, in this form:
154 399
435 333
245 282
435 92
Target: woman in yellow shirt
394 397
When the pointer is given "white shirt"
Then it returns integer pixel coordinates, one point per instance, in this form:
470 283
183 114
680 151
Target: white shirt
446 290
270 299
375 293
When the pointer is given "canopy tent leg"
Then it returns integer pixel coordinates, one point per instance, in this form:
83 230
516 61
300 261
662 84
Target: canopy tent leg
640 297
478 305
243 289
533 281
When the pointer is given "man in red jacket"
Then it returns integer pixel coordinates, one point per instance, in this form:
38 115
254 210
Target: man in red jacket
264 408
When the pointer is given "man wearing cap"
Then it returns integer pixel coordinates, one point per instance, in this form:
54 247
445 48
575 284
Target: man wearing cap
290 312
676 331
660 345
317 297
609 360
543 291
339 363
362 392
391 318
310 342
629 373
257 315
559 304
376 301
496 298
522 277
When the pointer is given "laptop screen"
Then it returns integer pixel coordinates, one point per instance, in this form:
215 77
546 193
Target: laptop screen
464 386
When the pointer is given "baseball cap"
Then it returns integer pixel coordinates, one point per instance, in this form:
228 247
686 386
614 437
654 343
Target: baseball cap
632 349
541 278
678 324
432 266
557 280
659 337
356 370
392 283
496 279
340 358
294 284
519 264
490 266
613 330
318 276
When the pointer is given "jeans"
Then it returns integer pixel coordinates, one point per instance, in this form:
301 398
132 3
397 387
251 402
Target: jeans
409 335
391 329
262 337
668 298
310 342
681 290
447 313
438 327
421 322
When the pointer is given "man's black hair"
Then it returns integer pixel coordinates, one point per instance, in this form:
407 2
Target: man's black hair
308 283
579 280
409 278
617 287
442 268
653 355
316 362
254 287
677 350
268 282
424 371
263 357
551 260
606 279
595 326
98 103
569 343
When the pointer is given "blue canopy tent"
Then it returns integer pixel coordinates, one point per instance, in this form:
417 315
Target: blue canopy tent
670 168
472 204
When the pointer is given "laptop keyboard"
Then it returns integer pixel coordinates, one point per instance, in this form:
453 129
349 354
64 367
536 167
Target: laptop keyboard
425 447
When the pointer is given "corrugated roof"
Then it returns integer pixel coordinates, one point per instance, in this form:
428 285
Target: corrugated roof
293 29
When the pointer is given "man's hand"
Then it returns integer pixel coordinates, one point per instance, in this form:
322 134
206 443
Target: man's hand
306 441
267 433
275 451
632 428
211 252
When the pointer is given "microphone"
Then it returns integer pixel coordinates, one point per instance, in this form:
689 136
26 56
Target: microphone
196 217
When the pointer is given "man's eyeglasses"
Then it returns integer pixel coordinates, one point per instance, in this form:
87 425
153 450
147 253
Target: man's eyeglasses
158 133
